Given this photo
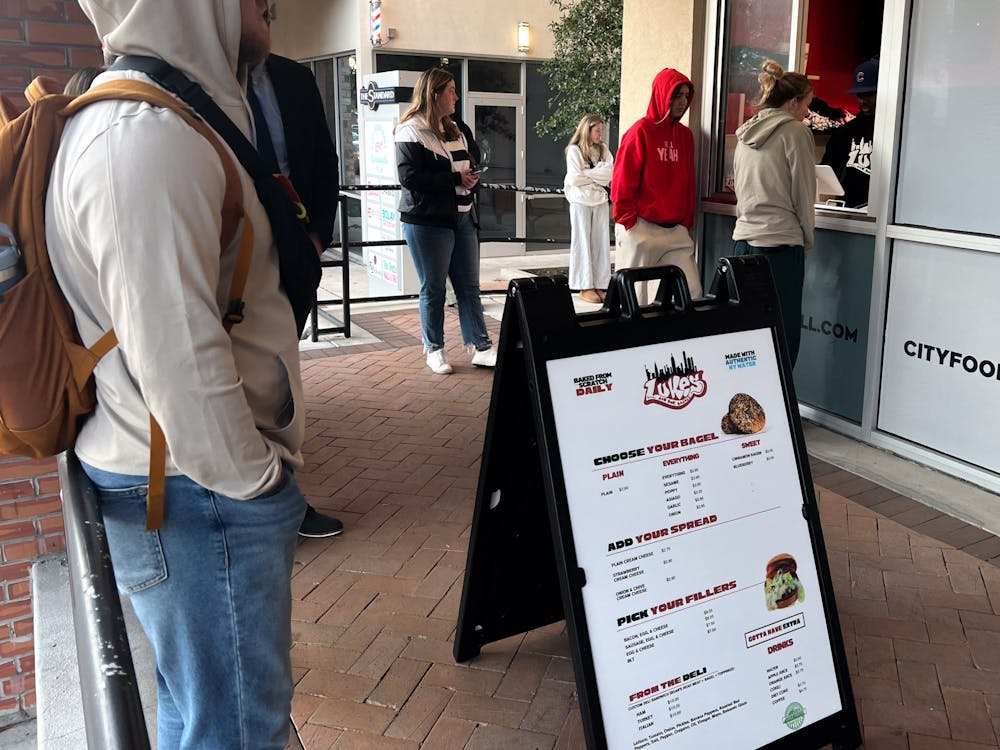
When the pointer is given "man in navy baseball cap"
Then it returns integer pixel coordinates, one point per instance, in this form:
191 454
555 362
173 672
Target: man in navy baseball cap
849 150
865 85
865 78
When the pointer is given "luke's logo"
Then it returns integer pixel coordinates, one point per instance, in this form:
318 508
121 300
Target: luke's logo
675 386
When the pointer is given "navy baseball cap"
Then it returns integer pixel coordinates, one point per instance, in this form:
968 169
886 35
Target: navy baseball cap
865 78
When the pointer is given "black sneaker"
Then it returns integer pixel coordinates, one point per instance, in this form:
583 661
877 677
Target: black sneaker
316 526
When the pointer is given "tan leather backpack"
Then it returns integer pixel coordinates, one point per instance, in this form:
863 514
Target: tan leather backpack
46 374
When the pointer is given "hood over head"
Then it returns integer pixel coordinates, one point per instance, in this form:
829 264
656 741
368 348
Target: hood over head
199 37
664 85
755 131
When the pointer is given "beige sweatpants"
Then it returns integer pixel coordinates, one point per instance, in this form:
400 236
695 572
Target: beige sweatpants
647 244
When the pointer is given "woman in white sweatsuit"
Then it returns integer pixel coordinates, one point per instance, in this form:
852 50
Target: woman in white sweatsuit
589 166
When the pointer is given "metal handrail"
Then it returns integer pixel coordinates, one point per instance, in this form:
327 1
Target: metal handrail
485 185
112 709
345 245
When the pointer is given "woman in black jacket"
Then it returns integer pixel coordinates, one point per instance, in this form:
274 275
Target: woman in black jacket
433 163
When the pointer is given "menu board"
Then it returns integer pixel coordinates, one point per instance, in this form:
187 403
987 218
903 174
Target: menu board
702 594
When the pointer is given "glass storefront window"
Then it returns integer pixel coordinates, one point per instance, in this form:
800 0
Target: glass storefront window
385 61
948 159
756 30
545 163
824 39
337 84
496 133
347 104
494 76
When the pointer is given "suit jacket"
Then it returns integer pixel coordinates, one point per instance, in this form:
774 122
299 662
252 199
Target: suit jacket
312 157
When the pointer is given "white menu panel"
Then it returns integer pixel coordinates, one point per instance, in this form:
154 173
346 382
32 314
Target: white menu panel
702 597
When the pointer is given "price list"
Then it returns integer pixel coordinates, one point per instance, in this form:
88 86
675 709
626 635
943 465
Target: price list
686 516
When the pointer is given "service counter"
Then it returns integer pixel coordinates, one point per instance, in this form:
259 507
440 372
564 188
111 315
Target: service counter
836 303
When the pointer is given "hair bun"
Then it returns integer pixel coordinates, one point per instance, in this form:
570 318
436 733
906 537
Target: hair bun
773 69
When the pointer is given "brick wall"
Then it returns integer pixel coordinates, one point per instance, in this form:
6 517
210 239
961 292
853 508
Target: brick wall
52 38
43 37
31 525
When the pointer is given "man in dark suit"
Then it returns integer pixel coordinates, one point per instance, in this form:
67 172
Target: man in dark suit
297 142
294 139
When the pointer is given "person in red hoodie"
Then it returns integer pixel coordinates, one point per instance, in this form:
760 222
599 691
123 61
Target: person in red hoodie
653 188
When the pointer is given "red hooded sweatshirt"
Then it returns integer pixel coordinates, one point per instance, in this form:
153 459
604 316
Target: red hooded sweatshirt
654 169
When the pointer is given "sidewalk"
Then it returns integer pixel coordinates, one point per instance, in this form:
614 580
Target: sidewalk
393 451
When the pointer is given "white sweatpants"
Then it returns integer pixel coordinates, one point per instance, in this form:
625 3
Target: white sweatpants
647 244
589 247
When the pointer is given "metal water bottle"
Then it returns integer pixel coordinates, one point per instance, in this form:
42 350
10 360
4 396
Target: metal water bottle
11 260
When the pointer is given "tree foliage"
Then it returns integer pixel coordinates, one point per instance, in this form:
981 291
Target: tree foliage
585 70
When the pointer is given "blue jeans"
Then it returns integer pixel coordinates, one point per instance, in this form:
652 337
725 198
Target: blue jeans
212 590
788 267
440 253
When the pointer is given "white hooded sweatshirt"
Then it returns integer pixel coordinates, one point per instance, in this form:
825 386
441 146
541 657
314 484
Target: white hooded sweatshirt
133 223
585 181
775 173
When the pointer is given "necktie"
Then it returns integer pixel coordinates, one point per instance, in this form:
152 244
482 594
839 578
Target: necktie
265 147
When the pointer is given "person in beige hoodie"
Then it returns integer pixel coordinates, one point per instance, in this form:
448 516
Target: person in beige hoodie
133 220
776 188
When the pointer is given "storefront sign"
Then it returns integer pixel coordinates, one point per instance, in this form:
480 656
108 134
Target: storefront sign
381 218
941 366
836 298
373 96
702 593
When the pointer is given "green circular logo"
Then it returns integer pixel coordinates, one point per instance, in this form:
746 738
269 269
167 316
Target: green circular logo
795 716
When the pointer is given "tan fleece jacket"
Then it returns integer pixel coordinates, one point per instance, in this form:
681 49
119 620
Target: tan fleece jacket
775 181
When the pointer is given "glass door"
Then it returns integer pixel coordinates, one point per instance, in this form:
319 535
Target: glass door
498 127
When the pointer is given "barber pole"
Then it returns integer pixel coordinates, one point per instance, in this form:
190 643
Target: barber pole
376 23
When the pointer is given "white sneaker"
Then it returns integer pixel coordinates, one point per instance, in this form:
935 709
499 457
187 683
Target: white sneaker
485 358
437 362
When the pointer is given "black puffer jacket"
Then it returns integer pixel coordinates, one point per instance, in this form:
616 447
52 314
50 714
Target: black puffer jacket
425 172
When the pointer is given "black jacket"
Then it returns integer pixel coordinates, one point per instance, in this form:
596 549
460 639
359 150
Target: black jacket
428 196
312 157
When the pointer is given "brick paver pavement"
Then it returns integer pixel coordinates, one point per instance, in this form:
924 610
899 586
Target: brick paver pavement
393 450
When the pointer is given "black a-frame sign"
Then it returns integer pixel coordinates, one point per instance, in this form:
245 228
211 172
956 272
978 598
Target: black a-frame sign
644 477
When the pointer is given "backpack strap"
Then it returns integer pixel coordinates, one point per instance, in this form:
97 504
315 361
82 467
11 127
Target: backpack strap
232 211
7 110
298 263
41 86
199 100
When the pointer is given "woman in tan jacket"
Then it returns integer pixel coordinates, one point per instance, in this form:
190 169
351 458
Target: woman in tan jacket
776 188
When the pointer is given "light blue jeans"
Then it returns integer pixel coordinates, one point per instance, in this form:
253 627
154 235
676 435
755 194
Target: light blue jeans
438 254
212 591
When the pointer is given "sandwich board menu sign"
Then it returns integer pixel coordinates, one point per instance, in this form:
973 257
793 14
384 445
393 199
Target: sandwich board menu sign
644 476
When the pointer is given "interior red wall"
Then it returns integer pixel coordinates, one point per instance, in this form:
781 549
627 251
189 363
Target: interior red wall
834 32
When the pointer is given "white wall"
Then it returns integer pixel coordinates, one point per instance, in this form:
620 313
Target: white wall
479 28
307 29
482 28
658 35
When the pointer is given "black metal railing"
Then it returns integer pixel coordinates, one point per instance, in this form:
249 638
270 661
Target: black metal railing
344 245
112 709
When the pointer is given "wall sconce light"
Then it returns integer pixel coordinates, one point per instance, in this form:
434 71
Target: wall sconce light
375 23
523 36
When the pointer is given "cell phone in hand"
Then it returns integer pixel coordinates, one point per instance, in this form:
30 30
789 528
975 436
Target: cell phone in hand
478 169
